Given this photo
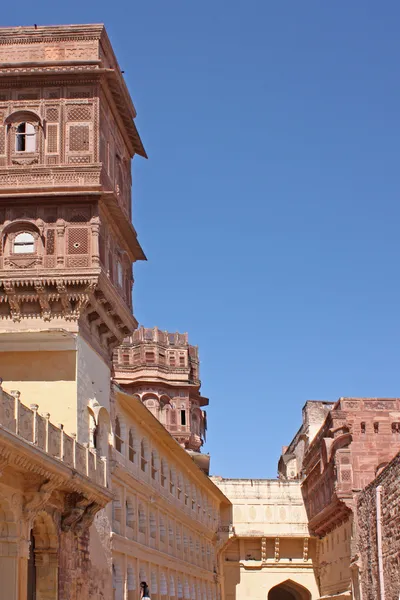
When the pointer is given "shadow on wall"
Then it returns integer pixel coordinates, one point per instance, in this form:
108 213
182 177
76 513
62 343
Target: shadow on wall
38 366
289 590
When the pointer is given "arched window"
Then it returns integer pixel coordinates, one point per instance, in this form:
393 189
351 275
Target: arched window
170 536
143 455
172 481
142 519
163 472
118 437
154 465
131 443
163 533
179 487
153 525
24 243
25 139
129 513
120 273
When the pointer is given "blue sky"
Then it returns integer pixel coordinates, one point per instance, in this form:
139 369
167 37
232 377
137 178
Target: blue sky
269 206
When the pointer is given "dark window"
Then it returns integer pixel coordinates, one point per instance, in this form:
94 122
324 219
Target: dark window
362 427
183 417
132 451
118 439
376 427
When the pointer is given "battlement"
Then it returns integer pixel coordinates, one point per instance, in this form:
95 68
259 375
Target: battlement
38 430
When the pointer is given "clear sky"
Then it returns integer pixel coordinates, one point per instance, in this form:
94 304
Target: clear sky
269 206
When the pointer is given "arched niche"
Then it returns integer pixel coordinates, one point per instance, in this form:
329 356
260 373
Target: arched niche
99 427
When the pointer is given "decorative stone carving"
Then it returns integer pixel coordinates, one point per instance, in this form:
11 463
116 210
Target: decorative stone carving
35 501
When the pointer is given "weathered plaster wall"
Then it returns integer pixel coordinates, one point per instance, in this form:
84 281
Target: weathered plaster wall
266 507
93 383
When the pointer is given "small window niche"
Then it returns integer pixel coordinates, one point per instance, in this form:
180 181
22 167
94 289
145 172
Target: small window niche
24 243
25 137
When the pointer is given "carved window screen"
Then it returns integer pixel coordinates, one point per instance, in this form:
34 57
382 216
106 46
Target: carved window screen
79 113
52 114
79 138
52 139
78 240
50 242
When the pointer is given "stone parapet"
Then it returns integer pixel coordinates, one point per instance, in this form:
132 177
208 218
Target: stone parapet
38 430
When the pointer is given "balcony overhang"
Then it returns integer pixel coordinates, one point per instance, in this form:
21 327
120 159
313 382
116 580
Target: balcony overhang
124 226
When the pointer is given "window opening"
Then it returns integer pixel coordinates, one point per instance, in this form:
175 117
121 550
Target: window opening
163 475
120 273
118 438
25 138
132 451
183 417
143 456
153 466
24 243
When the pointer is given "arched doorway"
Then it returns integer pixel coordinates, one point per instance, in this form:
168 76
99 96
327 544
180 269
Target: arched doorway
43 579
289 590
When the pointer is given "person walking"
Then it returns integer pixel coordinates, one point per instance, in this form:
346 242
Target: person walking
144 591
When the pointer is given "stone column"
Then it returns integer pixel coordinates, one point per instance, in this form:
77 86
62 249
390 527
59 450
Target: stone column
60 243
9 572
95 251
46 575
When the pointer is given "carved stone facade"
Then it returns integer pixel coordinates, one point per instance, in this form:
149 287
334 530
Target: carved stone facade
67 244
358 437
67 137
162 370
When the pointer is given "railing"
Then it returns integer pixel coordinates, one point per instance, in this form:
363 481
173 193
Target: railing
37 430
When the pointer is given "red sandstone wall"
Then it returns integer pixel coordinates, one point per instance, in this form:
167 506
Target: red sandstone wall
81 576
389 479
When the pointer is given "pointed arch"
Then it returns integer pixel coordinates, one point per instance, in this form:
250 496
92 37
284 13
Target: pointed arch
289 590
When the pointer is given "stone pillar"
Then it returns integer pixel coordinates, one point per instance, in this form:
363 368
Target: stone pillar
95 251
60 243
46 575
22 578
9 572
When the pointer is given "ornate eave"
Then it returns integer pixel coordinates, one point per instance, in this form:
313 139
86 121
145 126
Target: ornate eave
123 225
335 513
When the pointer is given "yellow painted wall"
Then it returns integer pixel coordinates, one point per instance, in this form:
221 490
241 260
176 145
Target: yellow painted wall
44 378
